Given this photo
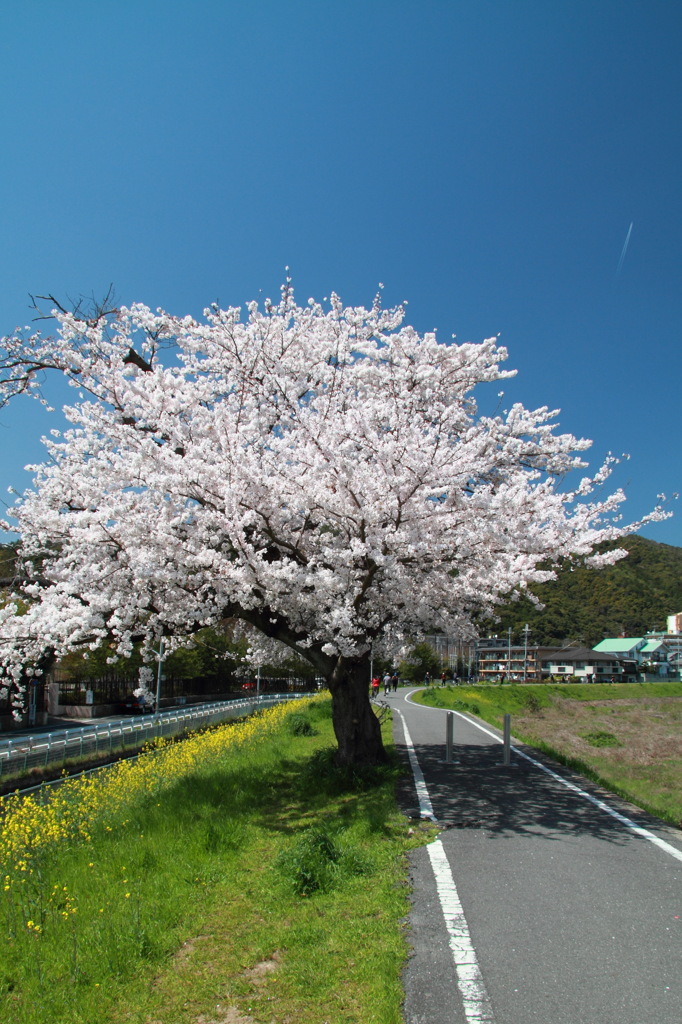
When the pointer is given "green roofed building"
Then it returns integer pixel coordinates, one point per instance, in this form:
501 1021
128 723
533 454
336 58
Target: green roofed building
623 646
658 654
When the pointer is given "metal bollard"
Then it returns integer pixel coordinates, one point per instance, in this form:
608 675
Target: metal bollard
449 737
506 758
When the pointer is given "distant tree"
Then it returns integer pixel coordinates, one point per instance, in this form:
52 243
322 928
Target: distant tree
319 474
421 659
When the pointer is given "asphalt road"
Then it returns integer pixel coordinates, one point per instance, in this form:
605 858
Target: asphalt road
535 905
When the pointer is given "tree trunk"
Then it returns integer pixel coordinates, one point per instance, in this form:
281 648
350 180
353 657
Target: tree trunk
356 726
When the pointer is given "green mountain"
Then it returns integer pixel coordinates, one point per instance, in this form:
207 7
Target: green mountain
630 598
7 564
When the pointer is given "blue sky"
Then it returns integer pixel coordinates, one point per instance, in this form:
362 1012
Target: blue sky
483 159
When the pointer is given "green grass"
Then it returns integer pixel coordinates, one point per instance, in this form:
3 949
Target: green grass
494 702
266 886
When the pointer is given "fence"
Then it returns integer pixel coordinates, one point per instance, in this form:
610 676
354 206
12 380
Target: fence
21 753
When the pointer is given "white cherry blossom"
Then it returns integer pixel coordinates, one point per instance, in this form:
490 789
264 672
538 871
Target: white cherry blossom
319 473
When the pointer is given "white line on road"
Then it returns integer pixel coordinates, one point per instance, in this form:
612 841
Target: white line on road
425 808
644 833
475 1001
628 822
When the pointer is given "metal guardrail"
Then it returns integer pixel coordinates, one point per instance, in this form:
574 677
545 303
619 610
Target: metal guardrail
22 753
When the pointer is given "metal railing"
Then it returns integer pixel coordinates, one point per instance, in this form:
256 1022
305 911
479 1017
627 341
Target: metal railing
24 752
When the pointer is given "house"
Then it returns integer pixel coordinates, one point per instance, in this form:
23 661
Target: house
658 654
581 663
629 647
670 644
654 656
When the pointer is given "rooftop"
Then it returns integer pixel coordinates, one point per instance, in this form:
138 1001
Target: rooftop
619 644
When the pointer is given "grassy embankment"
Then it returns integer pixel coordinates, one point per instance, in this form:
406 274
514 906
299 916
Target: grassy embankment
231 878
626 736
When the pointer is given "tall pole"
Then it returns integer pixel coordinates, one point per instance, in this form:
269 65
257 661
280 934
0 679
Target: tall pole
158 677
509 654
526 629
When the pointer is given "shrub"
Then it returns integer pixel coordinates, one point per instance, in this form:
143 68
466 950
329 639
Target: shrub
300 725
465 705
601 739
319 861
312 863
531 702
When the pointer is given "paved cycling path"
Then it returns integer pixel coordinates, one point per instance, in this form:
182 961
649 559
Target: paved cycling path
535 904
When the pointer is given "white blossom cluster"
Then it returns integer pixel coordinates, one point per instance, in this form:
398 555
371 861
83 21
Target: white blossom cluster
320 473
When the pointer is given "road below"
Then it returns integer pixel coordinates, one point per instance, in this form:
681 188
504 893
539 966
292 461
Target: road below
21 750
570 916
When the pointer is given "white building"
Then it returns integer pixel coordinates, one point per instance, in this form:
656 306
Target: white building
675 623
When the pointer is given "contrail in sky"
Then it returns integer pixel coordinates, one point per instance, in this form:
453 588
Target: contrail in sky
625 249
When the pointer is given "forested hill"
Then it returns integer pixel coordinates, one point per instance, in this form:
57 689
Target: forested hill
632 597
7 564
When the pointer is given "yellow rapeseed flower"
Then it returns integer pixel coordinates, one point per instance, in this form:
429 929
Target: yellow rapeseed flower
29 828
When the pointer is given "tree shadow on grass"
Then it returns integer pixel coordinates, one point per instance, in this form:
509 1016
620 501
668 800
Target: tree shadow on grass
286 798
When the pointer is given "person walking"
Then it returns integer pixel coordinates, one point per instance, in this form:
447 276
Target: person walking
387 684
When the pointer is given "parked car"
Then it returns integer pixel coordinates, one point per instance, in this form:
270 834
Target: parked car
134 705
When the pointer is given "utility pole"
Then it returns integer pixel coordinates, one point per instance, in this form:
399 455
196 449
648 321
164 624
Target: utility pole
526 630
158 677
509 655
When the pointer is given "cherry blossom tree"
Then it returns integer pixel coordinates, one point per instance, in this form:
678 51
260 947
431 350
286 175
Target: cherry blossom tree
320 474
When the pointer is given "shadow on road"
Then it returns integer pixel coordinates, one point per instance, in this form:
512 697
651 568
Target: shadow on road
480 793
